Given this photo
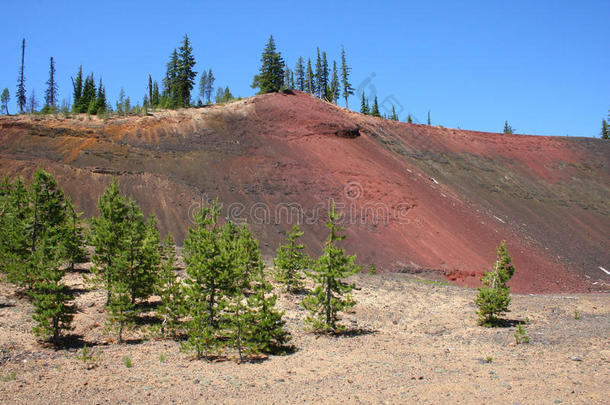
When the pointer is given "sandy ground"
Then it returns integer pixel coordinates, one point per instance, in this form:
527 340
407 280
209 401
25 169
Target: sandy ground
420 345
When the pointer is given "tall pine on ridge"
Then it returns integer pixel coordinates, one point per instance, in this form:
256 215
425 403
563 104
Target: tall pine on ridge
345 71
51 92
21 96
271 74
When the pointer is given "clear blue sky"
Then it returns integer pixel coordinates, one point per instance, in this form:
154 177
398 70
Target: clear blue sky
541 65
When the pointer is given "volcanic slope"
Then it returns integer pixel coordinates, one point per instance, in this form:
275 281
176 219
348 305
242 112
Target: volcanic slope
416 198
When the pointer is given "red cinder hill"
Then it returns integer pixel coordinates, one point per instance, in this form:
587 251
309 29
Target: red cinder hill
416 198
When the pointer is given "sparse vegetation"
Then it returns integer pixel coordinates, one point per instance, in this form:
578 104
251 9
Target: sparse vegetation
88 357
521 335
11 376
127 361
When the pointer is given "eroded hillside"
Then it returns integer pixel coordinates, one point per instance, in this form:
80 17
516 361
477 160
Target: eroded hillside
415 198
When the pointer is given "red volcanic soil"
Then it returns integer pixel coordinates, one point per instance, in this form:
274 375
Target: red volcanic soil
416 198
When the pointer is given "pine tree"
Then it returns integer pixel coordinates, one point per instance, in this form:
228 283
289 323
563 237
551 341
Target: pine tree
185 74
227 95
345 71
51 298
209 277
15 222
32 102
364 105
121 103
394 116
507 128
121 309
493 298
286 82
203 85
254 325
150 92
77 85
299 71
271 74
310 83
21 96
291 261
169 290
409 119
156 97
236 320
220 95
142 252
48 209
51 92
209 86
331 294
74 236
320 89
87 102
429 121
334 85
5 98
170 83
108 232
324 84
375 109
101 105
268 327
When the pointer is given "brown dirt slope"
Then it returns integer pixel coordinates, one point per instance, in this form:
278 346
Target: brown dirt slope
416 198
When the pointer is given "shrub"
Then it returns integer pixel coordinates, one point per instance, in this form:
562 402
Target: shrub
521 335
127 361
88 357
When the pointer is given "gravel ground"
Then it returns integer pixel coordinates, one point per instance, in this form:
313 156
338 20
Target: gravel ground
417 342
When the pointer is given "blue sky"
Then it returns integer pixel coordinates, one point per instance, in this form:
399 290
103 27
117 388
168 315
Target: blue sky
541 65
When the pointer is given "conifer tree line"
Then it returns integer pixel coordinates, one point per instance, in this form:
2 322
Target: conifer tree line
328 81
87 98
89 95
325 81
